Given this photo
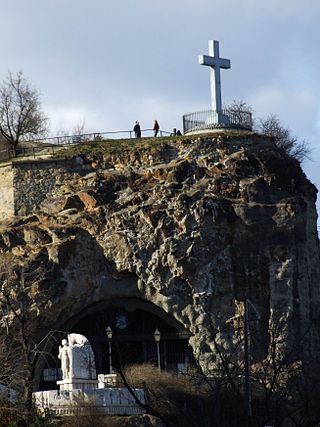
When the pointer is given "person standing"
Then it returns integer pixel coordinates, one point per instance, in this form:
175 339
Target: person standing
137 130
156 128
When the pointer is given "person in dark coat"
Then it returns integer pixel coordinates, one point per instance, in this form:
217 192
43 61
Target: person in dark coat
137 130
156 128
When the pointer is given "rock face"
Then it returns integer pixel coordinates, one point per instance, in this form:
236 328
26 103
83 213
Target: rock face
192 227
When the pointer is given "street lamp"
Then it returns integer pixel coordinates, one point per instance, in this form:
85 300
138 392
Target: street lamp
157 338
250 315
109 335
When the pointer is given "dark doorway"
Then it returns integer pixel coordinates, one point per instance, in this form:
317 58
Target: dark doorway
132 340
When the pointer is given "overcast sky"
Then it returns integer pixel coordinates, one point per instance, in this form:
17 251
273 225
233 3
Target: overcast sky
111 62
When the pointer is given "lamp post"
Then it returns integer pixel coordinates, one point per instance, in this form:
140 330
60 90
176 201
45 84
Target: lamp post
157 338
109 336
250 314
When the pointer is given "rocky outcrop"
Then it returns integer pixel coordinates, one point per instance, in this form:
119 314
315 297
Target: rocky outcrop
191 226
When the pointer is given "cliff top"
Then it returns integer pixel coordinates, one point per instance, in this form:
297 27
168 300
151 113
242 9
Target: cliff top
112 147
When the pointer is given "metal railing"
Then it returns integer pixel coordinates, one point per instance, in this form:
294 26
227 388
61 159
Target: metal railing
30 152
51 145
211 119
96 136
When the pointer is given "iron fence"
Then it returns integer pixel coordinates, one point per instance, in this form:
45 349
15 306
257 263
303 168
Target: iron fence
211 119
30 152
96 136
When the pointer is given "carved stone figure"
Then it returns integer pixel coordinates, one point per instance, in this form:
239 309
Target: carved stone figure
64 356
77 340
77 358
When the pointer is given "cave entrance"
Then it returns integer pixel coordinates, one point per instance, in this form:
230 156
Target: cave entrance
133 323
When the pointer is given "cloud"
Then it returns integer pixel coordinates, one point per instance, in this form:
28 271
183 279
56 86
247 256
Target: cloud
296 107
115 118
64 118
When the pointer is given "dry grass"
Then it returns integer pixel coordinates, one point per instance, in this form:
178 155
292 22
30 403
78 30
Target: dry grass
109 421
178 399
111 146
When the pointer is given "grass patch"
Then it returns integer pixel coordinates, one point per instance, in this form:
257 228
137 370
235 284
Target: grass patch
115 146
109 146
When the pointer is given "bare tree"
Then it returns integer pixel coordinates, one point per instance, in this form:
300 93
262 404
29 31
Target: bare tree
79 127
284 139
20 349
240 111
21 117
272 126
78 131
238 107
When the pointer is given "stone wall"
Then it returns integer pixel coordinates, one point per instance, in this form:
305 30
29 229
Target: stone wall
25 186
6 192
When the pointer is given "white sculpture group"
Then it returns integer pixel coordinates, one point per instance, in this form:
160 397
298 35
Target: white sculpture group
77 358
79 386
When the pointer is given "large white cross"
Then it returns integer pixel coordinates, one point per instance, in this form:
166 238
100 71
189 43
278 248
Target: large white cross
215 63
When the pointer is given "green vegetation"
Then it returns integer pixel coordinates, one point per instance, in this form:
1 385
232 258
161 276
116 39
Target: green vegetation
110 146
46 152
114 146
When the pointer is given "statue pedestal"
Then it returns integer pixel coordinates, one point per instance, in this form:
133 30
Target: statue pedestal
107 380
77 384
107 401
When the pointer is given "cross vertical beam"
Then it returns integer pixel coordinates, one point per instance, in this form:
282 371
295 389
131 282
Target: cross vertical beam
215 63
215 77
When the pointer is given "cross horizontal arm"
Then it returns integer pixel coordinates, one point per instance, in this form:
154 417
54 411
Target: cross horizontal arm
214 62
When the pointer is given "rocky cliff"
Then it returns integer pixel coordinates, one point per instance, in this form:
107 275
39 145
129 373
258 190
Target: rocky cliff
191 226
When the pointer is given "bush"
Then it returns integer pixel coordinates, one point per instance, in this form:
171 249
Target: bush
291 145
12 415
187 400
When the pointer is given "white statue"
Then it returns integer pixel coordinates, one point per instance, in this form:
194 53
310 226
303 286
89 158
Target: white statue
77 340
65 357
77 358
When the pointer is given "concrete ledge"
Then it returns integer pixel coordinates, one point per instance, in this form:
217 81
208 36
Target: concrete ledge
108 401
77 384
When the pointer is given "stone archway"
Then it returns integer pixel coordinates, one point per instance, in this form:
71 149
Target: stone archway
133 322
